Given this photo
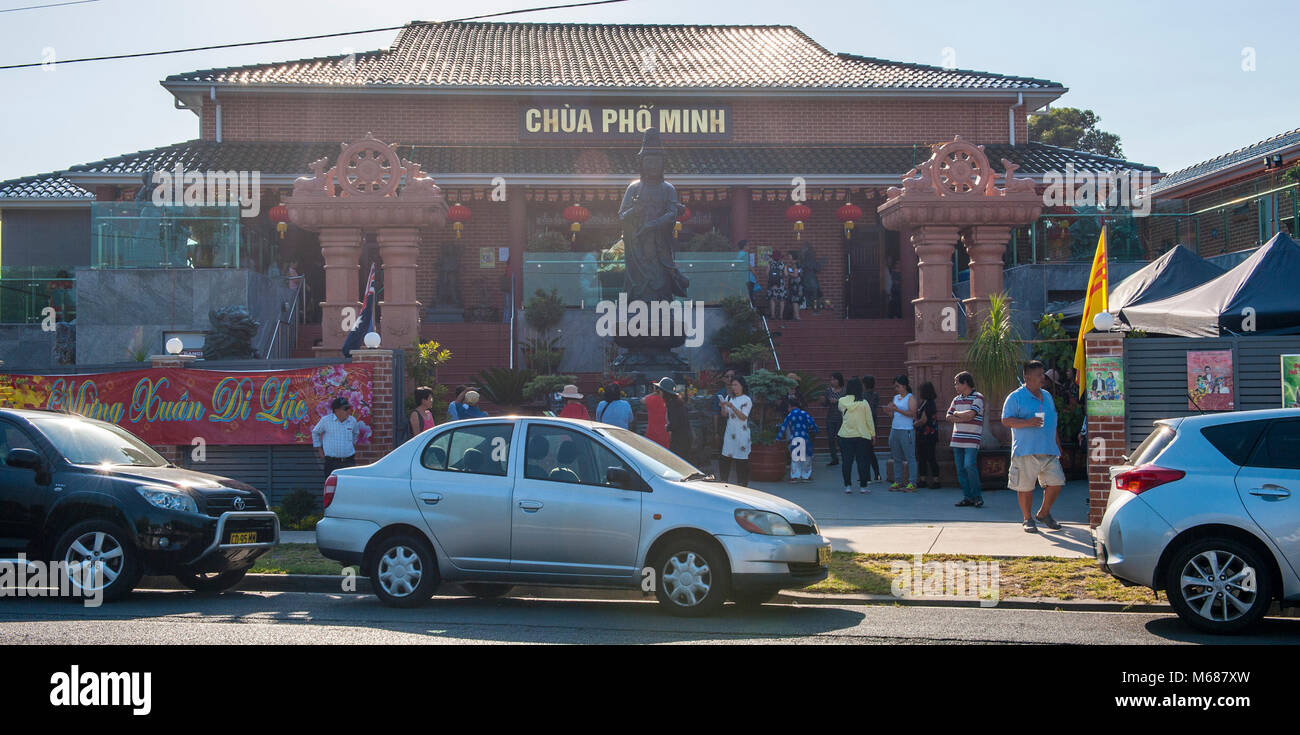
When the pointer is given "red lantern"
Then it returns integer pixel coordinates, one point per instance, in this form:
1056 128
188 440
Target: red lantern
797 213
279 214
849 214
677 226
458 214
576 214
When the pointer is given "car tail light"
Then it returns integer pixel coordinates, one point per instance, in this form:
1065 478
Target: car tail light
331 483
1146 477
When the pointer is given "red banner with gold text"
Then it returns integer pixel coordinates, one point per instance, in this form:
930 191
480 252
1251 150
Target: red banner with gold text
177 406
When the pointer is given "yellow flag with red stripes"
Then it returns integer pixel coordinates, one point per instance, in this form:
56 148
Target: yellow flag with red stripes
1093 304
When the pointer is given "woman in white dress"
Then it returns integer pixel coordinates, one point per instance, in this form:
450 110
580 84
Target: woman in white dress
735 437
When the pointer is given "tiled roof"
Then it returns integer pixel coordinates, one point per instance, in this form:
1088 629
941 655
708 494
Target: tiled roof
611 56
1227 160
293 158
42 186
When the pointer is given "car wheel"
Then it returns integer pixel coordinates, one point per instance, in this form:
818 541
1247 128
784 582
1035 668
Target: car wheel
754 598
99 558
403 571
487 590
211 581
1219 585
694 579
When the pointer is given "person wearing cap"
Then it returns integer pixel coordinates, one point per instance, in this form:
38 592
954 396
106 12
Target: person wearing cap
679 426
573 408
335 436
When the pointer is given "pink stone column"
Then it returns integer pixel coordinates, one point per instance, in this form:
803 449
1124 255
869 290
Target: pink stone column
935 308
341 249
400 323
986 245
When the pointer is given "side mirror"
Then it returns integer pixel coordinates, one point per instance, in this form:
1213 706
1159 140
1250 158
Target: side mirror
24 459
619 477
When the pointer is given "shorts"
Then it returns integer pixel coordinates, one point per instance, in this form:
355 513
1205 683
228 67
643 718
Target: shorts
1029 470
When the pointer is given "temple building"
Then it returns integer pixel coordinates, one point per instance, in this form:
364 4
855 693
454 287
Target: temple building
530 131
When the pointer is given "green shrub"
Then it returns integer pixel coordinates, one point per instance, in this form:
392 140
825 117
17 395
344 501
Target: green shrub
544 311
550 241
505 386
709 242
543 384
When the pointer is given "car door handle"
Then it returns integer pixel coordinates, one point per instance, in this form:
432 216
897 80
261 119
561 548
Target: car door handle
430 498
530 506
1271 491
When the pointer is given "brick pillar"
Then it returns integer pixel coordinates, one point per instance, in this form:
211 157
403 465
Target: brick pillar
400 323
739 213
171 452
1106 434
341 248
382 406
985 246
517 214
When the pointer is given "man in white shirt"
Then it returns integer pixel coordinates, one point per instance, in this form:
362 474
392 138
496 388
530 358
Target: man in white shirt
335 436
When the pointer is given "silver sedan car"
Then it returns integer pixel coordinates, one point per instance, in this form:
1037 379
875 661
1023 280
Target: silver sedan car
494 502
1203 510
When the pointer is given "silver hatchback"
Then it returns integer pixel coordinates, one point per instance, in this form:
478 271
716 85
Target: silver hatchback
1204 511
494 502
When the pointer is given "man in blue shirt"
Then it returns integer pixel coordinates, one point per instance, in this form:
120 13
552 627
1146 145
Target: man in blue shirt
1030 413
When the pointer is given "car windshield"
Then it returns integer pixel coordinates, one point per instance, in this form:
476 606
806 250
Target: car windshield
92 443
650 455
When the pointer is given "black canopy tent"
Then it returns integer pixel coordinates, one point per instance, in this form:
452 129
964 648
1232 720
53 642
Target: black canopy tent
1169 275
1262 288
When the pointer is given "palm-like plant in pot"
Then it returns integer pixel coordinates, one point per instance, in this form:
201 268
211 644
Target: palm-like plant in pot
767 456
993 356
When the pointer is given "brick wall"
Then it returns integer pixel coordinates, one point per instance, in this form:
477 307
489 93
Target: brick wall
488 228
1106 438
485 119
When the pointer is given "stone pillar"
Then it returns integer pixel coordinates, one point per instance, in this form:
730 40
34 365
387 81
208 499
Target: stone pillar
985 244
383 405
739 213
398 248
341 248
517 213
935 308
1107 439
907 271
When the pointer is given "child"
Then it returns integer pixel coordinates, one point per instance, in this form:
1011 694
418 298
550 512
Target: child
798 424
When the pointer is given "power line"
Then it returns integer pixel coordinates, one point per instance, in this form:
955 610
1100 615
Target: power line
298 38
47 5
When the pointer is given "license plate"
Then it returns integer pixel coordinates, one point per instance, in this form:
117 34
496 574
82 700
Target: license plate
248 537
824 555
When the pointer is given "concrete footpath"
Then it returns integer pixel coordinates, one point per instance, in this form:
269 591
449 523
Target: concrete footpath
924 522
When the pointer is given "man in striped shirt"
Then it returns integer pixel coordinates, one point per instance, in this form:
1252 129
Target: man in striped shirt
966 413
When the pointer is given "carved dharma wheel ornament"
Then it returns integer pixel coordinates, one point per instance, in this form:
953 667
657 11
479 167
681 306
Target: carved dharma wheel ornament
368 168
960 168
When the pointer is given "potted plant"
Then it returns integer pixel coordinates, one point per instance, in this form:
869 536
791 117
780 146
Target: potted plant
505 387
993 356
611 270
767 455
549 241
742 326
541 388
753 356
709 242
422 363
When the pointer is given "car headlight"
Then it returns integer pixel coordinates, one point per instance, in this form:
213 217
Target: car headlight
167 498
761 521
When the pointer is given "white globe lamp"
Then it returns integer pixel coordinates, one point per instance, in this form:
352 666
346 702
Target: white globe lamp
1104 322
174 346
372 340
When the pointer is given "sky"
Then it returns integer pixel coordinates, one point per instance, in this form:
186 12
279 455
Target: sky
1179 82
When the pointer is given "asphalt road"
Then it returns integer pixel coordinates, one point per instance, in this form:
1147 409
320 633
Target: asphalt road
290 618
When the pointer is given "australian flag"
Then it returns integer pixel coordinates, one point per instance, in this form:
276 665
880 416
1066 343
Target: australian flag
366 322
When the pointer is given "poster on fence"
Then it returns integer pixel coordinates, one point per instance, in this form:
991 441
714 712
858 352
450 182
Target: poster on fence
1291 381
1209 380
1105 386
176 406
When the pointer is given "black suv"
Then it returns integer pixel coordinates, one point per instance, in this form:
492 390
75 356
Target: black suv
80 491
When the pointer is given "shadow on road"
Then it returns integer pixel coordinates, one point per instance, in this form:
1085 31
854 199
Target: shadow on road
1270 631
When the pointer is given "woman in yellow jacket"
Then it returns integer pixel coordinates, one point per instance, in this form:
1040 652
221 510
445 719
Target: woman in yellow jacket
857 435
